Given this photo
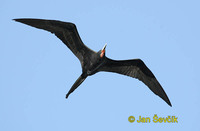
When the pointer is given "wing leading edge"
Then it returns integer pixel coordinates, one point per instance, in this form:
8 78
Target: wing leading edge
65 31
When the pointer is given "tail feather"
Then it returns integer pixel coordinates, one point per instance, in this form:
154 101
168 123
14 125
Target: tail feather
75 85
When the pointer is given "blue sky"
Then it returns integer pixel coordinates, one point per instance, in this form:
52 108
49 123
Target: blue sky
37 69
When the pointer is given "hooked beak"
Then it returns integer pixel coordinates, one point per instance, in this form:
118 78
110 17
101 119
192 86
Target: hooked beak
104 47
103 50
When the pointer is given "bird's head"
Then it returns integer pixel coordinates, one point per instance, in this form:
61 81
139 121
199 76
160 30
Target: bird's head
102 51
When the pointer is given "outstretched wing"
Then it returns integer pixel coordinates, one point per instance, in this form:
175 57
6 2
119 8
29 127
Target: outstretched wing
65 31
137 69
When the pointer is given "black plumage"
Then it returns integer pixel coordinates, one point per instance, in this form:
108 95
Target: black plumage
93 62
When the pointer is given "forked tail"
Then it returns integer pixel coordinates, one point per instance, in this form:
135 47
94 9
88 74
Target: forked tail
76 84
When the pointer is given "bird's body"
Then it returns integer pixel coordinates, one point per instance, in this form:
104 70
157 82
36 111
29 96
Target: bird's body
93 62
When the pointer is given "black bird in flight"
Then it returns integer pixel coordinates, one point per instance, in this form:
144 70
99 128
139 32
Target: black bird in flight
93 62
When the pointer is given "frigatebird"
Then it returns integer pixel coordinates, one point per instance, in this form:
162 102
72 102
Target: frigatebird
93 62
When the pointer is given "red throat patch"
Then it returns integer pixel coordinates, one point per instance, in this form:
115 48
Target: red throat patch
102 53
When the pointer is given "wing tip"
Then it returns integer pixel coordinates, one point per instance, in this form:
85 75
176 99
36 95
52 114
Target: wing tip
166 99
15 19
169 103
22 20
36 22
18 19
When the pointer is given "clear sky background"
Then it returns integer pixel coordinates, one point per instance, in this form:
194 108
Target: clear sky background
37 69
